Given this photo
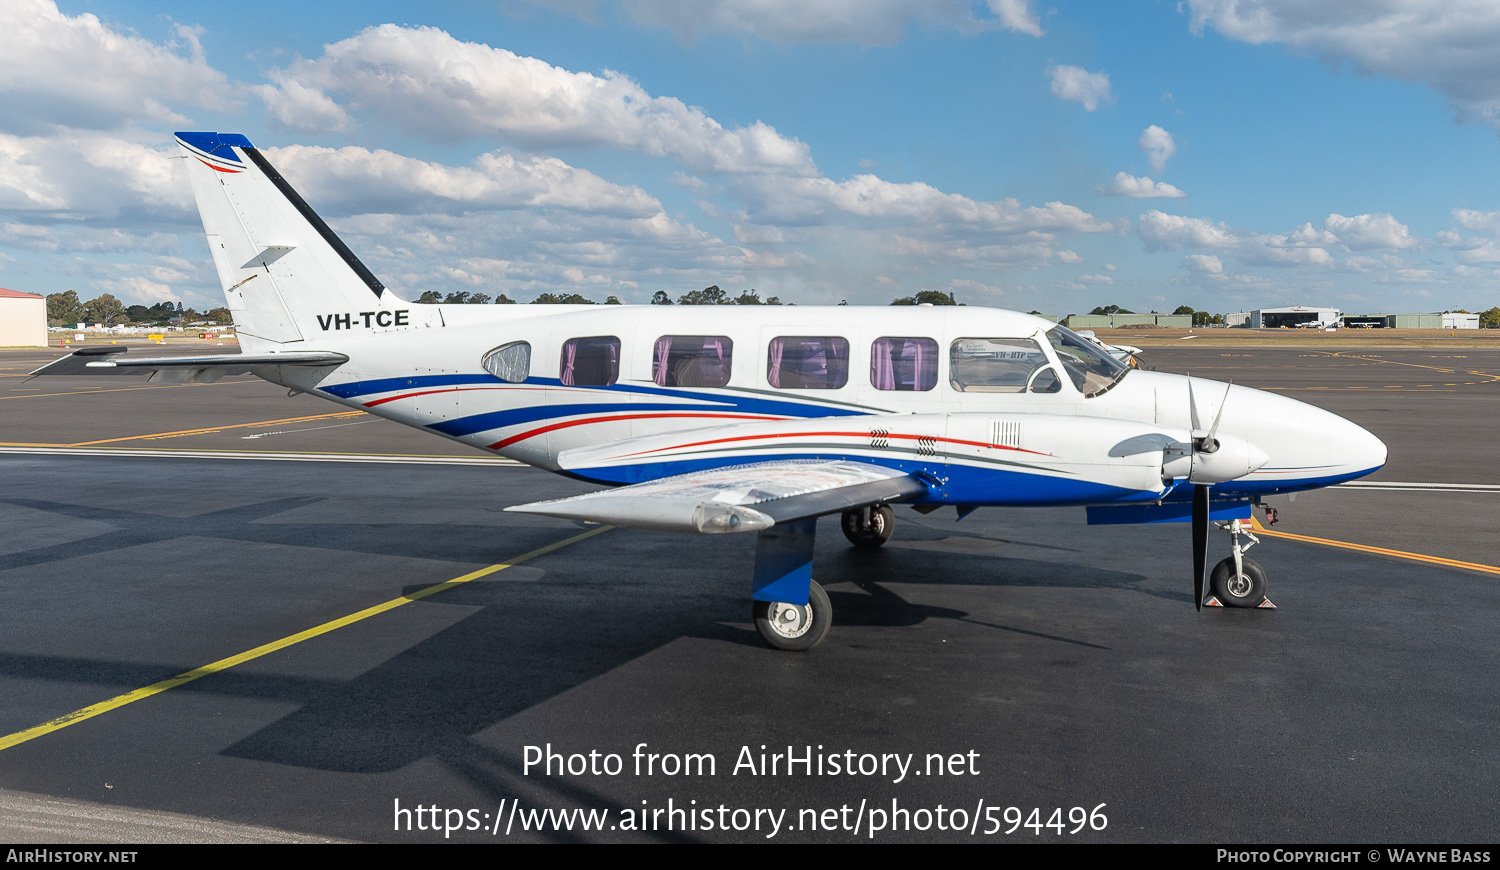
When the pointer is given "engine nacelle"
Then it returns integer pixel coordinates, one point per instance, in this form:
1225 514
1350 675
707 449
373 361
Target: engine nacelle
1230 459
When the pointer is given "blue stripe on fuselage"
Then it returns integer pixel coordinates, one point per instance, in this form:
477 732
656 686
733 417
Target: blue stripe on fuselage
390 385
1244 488
500 419
496 419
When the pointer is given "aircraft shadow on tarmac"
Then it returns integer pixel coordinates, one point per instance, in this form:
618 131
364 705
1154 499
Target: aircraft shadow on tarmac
527 642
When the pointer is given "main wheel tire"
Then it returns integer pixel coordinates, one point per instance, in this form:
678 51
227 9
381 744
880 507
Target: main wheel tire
795 627
1248 589
882 524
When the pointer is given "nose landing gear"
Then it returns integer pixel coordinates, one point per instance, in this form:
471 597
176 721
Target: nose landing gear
1238 581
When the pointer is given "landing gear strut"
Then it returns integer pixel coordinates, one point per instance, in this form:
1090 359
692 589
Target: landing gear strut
1239 581
791 610
869 527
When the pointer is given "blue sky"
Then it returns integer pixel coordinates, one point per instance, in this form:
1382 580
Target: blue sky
1225 154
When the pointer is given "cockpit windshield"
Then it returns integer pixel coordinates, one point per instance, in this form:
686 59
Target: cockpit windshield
1093 371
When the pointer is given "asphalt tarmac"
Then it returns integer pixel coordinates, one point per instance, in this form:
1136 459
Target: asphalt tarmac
200 647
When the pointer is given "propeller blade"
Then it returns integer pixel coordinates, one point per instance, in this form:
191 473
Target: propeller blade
1193 408
1200 541
1208 440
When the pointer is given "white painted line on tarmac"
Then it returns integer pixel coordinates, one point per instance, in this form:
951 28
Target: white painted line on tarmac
1395 486
276 457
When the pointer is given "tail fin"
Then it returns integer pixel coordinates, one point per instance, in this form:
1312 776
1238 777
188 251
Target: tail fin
286 276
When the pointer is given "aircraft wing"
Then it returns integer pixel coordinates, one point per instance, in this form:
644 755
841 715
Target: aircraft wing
180 369
739 498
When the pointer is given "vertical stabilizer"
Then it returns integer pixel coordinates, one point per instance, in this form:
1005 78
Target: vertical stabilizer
286 276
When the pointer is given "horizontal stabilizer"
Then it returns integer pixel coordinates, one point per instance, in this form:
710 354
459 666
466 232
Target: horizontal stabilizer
740 498
180 369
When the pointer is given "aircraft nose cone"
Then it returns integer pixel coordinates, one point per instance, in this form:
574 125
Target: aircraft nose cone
1361 448
1256 457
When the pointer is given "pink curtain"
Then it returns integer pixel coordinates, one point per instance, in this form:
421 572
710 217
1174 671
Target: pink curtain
882 367
773 371
837 355
924 365
659 361
719 375
570 355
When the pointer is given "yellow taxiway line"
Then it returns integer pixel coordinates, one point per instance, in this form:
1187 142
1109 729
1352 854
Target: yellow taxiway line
129 389
1380 551
141 694
183 432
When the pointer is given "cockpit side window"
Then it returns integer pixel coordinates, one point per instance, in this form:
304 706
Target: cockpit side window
1092 370
509 362
1000 365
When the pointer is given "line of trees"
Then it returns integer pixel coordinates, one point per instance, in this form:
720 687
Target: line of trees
464 297
66 308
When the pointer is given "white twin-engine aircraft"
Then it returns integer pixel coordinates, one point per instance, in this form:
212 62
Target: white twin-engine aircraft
752 419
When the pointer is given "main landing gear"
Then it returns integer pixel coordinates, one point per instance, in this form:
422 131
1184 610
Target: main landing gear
1238 581
869 527
791 610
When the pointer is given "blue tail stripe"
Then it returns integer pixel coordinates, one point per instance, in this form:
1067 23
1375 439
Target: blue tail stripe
216 144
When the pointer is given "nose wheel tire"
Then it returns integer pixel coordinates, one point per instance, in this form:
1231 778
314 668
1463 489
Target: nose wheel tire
795 627
1245 589
870 534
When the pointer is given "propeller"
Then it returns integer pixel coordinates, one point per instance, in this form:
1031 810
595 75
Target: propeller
1203 442
1200 541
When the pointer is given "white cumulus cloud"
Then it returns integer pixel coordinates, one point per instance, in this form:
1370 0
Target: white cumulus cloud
1080 86
1158 145
1126 184
430 84
1018 16
862 22
61 71
917 206
1369 232
1166 232
82 176
1207 264
353 180
1449 45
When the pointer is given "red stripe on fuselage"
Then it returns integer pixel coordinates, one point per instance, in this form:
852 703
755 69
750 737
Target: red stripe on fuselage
443 390
865 435
570 423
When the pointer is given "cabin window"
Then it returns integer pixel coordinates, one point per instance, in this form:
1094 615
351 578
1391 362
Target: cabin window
590 362
509 362
1001 365
903 364
692 360
808 362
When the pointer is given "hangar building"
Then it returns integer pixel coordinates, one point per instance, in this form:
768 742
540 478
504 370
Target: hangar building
1121 321
1412 321
1296 315
23 319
